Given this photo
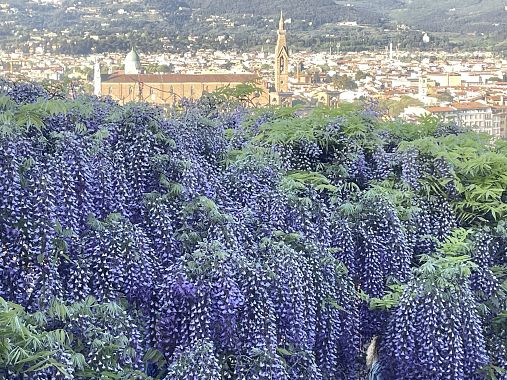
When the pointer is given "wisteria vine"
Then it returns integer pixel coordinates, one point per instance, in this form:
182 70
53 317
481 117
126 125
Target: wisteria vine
199 243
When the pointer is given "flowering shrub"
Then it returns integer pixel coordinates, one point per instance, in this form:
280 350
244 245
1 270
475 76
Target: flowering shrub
216 242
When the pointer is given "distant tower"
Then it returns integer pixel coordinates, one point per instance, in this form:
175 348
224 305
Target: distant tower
423 88
97 80
132 63
281 59
299 68
391 55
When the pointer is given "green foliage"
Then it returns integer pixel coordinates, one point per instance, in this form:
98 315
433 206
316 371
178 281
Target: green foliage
30 343
390 300
244 93
298 180
288 128
446 268
410 132
24 346
452 263
402 198
343 82
396 107
16 119
480 168
360 75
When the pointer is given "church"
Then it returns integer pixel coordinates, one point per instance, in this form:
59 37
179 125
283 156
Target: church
281 95
132 84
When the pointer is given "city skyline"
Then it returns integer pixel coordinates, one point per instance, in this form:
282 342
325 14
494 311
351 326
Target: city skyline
411 83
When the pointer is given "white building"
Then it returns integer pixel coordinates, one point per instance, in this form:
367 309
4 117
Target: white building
476 116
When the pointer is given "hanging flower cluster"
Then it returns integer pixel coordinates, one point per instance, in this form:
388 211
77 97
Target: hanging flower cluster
240 244
435 332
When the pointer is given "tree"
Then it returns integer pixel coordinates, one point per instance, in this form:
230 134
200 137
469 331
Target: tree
396 107
343 82
360 75
445 96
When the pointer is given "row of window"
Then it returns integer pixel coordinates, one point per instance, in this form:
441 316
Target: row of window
153 90
477 116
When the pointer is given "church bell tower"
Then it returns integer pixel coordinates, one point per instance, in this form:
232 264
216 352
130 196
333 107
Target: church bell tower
281 59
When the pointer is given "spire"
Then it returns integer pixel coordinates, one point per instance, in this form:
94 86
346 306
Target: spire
281 24
281 58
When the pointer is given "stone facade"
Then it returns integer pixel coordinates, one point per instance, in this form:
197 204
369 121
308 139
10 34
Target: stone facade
476 116
281 96
168 89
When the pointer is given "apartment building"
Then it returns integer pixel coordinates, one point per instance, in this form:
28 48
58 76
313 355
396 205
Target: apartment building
476 116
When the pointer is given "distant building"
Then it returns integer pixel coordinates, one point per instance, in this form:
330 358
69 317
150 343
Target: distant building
132 63
445 79
132 84
476 116
281 94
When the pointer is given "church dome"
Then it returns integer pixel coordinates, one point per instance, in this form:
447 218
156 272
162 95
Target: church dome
132 63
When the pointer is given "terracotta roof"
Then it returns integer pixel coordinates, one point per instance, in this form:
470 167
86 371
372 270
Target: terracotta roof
469 106
180 78
440 74
439 109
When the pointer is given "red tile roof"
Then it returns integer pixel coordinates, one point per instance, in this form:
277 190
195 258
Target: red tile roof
439 109
469 106
180 78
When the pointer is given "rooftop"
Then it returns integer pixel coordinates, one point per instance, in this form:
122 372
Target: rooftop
439 109
469 106
179 78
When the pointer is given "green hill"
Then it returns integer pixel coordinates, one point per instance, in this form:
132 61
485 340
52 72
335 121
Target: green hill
249 24
453 15
447 15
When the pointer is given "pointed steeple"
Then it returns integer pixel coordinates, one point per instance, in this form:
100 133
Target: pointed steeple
281 58
281 23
